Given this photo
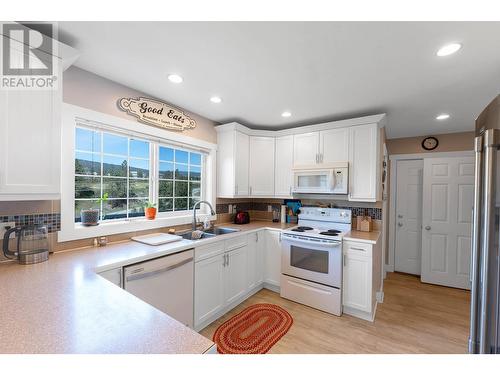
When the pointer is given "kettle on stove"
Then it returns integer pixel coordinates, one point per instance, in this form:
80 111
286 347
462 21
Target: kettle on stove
32 244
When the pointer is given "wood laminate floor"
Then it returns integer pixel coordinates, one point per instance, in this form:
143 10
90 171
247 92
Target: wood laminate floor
414 318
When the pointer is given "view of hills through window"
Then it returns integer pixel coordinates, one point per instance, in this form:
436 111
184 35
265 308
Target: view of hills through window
121 167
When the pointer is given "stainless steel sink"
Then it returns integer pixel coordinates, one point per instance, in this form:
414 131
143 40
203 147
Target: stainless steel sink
209 233
217 231
189 236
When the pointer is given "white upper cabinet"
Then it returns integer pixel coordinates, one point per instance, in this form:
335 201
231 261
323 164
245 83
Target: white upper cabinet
254 163
306 149
232 164
334 145
30 143
283 176
364 163
261 166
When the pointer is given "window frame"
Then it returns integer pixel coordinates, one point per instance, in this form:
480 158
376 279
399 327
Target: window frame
73 117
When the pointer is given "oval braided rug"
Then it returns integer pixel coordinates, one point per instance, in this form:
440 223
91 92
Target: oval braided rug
253 331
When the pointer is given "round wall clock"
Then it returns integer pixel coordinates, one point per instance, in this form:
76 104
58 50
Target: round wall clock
430 143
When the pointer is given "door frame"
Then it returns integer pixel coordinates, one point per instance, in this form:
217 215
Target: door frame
393 159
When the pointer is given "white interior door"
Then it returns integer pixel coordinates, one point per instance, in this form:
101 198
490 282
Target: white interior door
408 246
448 195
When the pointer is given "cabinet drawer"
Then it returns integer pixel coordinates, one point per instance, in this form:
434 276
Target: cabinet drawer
359 248
237 242
208 251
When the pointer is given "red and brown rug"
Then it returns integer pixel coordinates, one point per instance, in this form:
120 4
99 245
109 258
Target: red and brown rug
253 331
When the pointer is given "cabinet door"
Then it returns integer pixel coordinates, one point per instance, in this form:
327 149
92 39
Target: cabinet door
241 155
357 281
30 143
252 261
236 274
305 148
208 288
226 178
260 254
273 258
334 145
283 176
261 166
363 163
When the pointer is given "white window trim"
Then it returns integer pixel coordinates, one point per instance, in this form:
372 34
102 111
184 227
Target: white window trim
72 114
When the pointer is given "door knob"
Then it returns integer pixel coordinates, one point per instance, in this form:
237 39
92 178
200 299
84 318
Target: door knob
400 224
427 227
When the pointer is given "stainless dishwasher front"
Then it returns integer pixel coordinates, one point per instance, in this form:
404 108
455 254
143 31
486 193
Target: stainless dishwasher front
165 283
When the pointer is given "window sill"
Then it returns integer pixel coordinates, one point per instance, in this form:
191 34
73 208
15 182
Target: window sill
78 231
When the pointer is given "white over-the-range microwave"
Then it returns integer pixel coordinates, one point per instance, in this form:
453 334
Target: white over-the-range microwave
332 178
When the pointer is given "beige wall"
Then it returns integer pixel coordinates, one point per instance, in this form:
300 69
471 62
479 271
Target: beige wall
447 142
88 90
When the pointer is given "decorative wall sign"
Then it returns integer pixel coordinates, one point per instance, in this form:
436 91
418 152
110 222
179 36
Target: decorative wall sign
154 112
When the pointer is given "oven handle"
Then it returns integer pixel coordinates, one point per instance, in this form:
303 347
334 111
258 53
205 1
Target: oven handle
310 243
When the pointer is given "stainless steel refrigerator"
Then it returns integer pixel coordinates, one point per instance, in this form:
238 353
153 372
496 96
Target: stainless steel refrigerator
485 266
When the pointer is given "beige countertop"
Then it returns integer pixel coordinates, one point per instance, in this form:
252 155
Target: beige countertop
356 235
64 306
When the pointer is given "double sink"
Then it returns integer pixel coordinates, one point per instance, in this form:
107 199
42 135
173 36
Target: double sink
209 233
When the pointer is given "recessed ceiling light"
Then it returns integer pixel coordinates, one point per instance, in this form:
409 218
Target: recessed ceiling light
175 78
216 99
443 116
448 49
286 114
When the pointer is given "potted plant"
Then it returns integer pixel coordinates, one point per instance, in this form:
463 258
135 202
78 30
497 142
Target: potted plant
150 210
90 217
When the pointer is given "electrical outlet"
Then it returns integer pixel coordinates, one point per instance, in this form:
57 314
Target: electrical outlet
230 209
269 208
5 226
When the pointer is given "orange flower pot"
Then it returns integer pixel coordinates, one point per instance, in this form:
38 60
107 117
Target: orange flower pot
150 213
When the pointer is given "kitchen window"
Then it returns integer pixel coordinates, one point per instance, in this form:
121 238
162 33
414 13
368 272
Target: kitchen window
133 163
179 179
121 167
113 165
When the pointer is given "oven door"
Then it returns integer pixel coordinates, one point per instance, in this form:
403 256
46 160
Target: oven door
320 262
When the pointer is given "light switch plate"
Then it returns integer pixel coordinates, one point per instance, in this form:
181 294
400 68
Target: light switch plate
4 227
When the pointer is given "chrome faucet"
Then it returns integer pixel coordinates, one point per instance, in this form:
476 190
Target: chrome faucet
212 212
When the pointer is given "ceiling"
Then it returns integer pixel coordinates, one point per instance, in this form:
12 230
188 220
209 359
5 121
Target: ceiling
319 71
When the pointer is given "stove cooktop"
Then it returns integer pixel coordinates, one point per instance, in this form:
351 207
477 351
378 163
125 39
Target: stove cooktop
316 233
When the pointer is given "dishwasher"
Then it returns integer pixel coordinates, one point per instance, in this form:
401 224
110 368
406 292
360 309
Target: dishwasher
165 283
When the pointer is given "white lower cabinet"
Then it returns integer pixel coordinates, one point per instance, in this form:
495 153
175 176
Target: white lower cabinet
235 272
227 272
272 271
209 287
362 278
255 260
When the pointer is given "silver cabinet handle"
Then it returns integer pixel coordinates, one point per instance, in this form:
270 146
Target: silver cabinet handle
400 216
321 158
227 259
250 190
317 158
427 227
357 249
400 224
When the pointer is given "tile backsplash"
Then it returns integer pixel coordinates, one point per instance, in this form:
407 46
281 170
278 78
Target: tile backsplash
223 208
51 220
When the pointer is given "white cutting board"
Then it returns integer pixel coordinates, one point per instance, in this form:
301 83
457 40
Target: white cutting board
156 239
